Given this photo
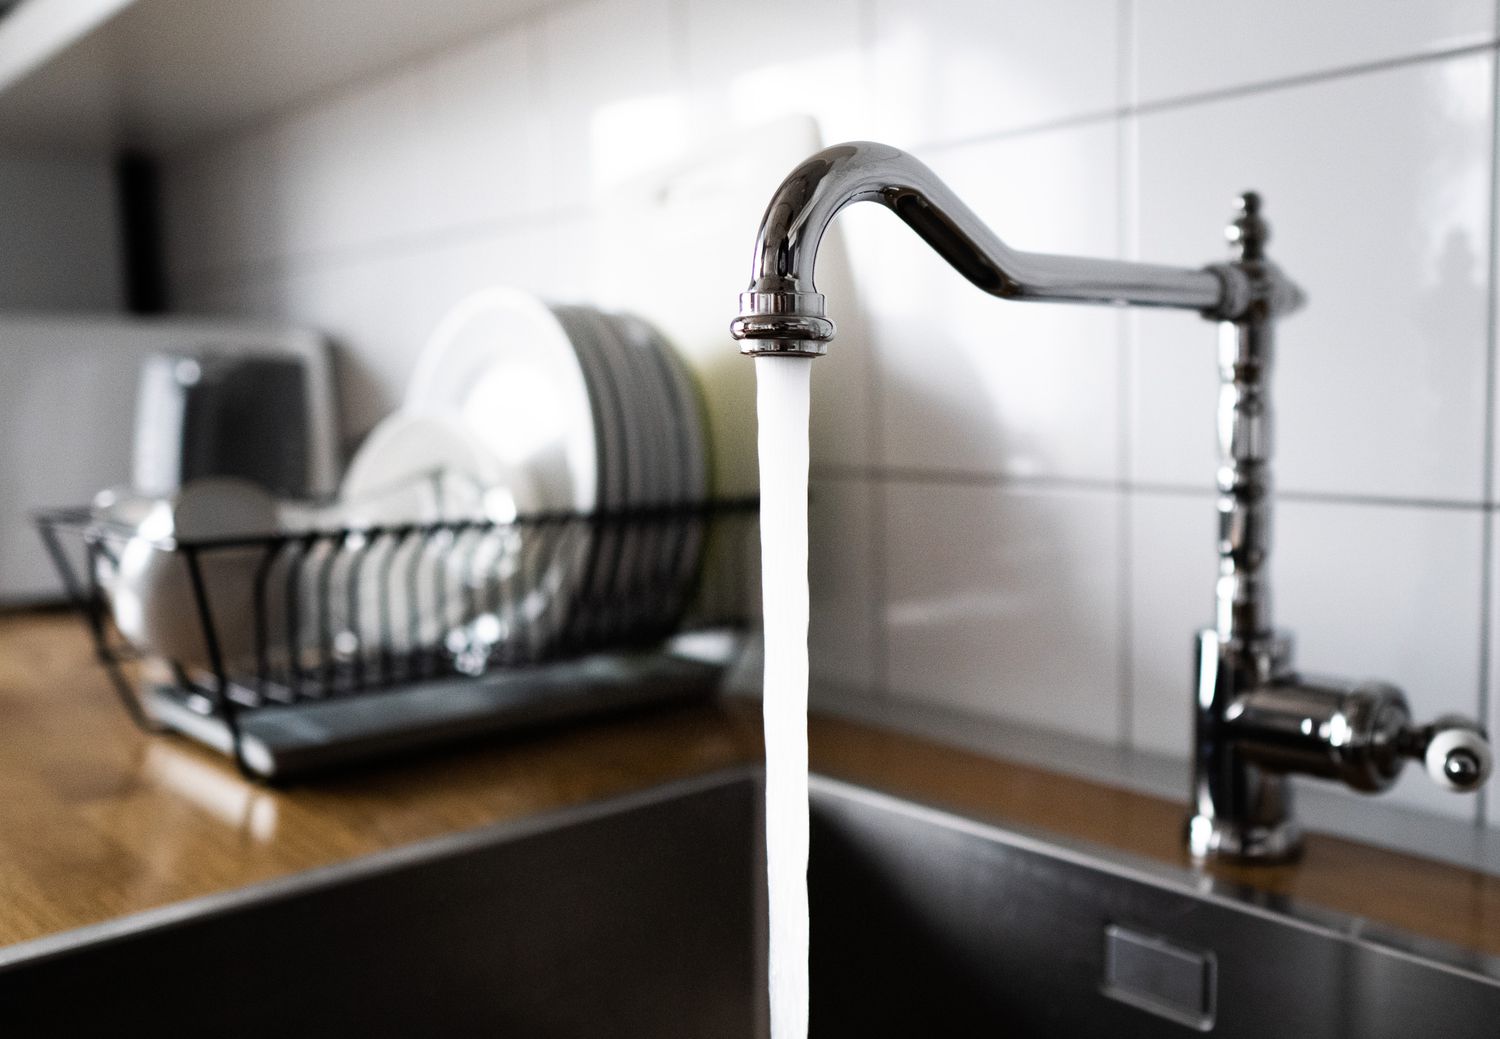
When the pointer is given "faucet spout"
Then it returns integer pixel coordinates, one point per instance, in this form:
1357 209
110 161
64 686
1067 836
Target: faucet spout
782 311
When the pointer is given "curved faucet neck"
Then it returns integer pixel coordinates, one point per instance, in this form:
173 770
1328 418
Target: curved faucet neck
783 312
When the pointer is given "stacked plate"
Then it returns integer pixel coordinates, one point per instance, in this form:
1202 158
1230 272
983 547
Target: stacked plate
599 415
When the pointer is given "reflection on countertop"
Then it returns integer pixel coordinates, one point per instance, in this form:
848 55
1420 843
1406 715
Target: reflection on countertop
99 820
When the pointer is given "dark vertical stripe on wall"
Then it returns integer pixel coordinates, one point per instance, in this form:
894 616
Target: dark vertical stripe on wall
138 183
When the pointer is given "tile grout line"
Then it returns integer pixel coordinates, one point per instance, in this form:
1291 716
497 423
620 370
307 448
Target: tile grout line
1228 93
1127 247
532 23
1487 477
972 478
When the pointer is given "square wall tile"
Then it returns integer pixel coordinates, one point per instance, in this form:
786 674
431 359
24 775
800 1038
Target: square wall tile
1376 187
1366 592
613 94
352 171
737 74
376 311
842 557
845 423
953 69
972 383
488 157
1391 593
1192 46
1173 564
527 256
1002 602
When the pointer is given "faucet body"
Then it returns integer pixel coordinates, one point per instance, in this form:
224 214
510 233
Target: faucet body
1256 720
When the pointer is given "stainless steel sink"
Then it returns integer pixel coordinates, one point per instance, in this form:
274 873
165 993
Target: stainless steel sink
643 917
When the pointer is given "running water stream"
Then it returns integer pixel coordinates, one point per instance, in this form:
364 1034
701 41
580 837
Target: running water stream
782 408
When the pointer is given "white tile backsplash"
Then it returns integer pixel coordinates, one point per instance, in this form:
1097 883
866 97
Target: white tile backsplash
1011 511
736 76
1002 602
1173 566
376 311
945 70
1380 381
1389 593
1186 47
973 385
353 172
1368 592
845 620
613 92
486 158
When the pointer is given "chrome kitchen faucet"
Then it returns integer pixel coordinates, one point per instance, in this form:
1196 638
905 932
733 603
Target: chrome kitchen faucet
1256 720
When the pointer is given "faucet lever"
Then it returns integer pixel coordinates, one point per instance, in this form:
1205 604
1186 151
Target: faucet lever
1358 732
1455 751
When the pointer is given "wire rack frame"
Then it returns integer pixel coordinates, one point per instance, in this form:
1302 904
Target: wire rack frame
291 618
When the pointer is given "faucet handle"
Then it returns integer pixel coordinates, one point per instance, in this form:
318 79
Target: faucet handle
1454 750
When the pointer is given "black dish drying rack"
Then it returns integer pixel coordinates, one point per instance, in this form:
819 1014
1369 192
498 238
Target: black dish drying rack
303 650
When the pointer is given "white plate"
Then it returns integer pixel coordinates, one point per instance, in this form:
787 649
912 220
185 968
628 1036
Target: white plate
420 469
502 364
416 468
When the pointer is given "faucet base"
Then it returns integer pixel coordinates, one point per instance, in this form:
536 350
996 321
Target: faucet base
1217 839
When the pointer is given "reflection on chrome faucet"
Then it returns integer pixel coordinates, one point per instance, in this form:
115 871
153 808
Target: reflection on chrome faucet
1256 719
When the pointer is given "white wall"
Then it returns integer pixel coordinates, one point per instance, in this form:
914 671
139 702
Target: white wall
59 233
1013 511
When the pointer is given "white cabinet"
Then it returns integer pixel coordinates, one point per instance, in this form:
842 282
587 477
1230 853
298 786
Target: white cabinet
159 74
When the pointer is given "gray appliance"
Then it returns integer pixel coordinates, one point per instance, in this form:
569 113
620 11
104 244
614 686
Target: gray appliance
207 413
68 415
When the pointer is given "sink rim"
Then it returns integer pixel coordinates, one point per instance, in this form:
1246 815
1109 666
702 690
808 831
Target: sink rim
1185 881
1126 866
427 849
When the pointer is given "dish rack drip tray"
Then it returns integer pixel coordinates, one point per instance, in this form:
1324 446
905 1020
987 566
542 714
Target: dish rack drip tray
298 652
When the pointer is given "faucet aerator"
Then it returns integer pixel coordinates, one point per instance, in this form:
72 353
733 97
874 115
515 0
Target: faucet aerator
786 324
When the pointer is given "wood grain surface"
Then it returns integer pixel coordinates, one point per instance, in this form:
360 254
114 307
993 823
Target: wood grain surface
98 819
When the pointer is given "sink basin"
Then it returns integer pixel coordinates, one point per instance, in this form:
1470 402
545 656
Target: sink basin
643 917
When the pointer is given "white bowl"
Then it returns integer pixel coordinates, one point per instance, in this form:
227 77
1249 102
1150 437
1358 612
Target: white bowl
152 594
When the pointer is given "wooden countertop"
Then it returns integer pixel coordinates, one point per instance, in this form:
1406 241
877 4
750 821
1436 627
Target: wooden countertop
98 820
